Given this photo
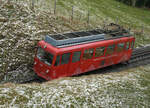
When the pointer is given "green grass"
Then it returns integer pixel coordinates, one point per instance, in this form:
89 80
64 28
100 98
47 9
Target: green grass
109 9
101 9
104 11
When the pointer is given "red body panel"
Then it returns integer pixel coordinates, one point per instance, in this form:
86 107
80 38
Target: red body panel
53 72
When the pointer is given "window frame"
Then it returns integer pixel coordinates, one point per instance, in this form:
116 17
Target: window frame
99 55
128 46
114 50
132 44
123 48
73 56
59 60
62 56
84 53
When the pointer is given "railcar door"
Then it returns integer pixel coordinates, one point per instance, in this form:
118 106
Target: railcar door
75 64
120 51
87 60
99 58
61 66
110 55
129 48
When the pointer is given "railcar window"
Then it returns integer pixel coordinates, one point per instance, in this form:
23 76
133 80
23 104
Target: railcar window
127 45
57 62
88 54
76 56
65 58
99 51
120 47
110 49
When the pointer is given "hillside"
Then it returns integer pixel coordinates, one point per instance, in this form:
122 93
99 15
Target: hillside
128 88
22 26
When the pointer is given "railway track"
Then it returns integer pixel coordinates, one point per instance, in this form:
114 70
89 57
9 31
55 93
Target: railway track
140 56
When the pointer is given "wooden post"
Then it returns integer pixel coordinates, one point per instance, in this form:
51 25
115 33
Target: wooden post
55 7
117 20
105 22
88 20
72 14
33 4
129 27
50 6
142 30
37 2
80 17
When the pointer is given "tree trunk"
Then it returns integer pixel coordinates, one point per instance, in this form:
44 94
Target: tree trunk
133 2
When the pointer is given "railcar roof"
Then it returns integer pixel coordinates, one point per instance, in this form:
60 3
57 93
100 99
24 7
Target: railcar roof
57 50
112 31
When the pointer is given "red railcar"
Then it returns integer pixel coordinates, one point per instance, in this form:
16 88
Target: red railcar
74 53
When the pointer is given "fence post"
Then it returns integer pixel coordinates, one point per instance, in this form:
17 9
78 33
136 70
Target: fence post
33 4
105 22
55 7
117 20
50 5
80 17
142 30
72 14
129 28
88 20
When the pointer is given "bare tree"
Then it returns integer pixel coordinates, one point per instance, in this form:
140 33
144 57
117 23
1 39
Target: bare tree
133 3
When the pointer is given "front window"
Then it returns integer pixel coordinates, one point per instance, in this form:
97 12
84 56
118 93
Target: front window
44 56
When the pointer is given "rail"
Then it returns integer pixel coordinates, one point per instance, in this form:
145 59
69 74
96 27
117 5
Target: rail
140 56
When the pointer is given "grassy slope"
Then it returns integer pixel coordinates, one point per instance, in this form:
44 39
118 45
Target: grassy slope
29 26
111 9
105 10
129 88
101 10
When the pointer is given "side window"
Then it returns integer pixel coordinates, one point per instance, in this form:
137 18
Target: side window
57 62
127 45
88 54
132 44
76 56
65 58
120 47
110 49
99 51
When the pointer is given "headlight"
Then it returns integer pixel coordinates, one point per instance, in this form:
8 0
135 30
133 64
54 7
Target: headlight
35 63
47 71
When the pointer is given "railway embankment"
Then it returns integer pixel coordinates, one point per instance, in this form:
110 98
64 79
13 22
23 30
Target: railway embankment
21 28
